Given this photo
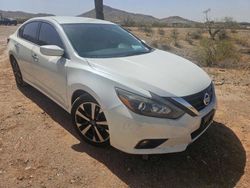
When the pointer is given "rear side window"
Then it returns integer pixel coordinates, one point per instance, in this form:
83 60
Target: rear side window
29 31
49 36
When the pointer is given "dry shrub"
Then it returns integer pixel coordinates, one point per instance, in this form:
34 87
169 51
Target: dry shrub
155 44
222 35
175 37
196 35
161 44
188 38
165 46
217 52
161 32
147 29
242 41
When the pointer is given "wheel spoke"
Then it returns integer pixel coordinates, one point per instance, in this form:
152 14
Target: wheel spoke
85 130
82 116
101 123
99 114
98 134
93 106
94 139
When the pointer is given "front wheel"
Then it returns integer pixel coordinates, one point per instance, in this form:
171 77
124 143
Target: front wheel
90 121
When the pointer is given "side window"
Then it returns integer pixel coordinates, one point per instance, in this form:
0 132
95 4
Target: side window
49 36
29 31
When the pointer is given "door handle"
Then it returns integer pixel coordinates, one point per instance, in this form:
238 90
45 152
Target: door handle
17 45
34 56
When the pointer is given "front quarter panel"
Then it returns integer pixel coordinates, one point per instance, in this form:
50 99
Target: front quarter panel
82 77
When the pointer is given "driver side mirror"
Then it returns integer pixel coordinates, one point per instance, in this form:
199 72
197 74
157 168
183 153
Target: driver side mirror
51 50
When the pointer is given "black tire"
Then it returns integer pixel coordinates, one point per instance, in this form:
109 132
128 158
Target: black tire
91 127
17 73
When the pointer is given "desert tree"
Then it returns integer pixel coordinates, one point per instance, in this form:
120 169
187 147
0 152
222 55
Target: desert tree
99 9
212 28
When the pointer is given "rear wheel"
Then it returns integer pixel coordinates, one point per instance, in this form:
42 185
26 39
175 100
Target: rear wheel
90 121
17 73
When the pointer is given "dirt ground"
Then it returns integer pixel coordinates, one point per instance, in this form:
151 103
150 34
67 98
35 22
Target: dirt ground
39 148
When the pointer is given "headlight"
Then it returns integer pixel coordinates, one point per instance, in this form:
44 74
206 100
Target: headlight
149 107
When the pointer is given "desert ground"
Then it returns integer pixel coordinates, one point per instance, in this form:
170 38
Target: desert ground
39 148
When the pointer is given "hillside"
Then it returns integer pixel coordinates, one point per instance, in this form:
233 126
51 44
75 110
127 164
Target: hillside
21 15
119 16
177 20
111 14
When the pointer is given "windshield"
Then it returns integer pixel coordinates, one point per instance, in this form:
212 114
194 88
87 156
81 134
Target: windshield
103 40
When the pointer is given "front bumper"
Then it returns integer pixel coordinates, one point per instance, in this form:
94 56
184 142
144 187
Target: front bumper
127 129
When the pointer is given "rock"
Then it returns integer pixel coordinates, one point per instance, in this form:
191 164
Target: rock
26 161
219 82
72 181
20 178
27 168
222 70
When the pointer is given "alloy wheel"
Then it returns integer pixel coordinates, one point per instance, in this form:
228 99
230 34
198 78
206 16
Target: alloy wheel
91 122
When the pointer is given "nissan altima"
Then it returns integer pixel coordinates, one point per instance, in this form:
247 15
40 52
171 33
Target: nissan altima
118 90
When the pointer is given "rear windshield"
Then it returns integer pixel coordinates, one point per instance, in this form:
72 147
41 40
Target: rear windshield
103 40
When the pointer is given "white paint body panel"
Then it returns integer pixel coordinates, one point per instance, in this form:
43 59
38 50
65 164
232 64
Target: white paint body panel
160 72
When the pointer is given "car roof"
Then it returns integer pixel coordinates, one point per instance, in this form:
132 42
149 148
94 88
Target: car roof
72 20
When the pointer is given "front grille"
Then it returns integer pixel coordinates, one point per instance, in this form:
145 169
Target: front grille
197 100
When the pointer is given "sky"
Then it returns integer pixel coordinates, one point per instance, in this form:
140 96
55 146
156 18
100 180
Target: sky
239 10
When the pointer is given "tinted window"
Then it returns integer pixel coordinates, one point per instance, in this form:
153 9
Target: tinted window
49 36
29 31
103 40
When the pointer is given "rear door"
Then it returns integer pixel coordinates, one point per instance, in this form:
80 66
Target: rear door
49 71
24 43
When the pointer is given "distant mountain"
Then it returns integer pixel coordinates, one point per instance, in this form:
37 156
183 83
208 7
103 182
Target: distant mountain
110 14
177 20
21 15
120 16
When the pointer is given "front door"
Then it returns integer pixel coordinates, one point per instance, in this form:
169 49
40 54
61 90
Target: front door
50 71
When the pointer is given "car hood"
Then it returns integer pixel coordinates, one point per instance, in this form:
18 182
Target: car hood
160 72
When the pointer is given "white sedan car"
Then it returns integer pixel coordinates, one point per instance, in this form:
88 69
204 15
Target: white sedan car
119 90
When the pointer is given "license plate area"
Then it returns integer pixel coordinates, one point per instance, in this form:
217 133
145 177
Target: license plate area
205 122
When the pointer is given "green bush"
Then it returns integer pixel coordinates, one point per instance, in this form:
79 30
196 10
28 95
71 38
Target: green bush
213 52
226 50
